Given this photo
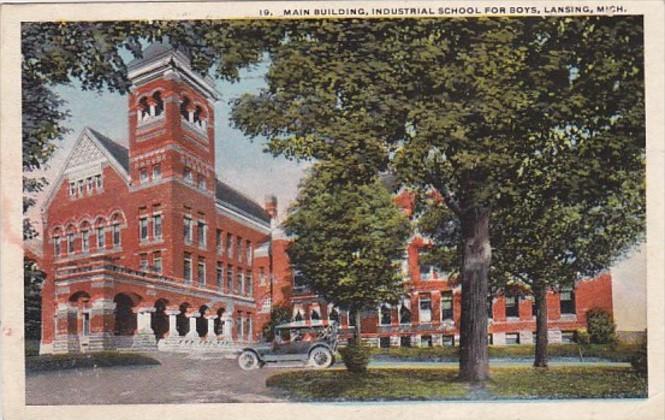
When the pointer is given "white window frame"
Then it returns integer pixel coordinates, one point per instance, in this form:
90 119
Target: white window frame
144 231
421 319
187 276
201 272
188 236
85 240
156 172
157 222
116 233
157 263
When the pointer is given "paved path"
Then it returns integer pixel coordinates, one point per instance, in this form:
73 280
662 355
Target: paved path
181 378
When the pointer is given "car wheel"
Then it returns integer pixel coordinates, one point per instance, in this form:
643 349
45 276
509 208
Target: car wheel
320 358
248 360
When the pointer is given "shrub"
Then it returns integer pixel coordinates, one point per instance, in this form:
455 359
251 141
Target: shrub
355 358
582 336
639 361
600 326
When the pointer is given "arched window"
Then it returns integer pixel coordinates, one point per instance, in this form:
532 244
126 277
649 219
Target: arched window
144 109
385 315
334 315
404 314
158 103
314 316
185 107
298 316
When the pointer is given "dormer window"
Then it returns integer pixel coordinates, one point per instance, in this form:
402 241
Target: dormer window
72 189
98 181
80 187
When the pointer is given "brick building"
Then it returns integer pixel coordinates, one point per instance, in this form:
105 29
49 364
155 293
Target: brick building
144 247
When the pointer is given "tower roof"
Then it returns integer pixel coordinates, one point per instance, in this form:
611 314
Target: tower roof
155 51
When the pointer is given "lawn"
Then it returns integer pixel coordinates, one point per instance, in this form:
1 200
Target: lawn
86 360
615 353
441 384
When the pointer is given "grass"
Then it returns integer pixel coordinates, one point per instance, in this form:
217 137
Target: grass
87 360
615 353
441 384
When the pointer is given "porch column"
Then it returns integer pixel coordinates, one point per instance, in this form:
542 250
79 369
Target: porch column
211 325
227 320
143 318
192 333
172 313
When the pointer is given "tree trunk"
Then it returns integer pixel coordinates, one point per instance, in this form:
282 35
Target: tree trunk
474 362
540 296
357 329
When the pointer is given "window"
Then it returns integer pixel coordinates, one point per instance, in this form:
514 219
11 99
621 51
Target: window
238 246
56 245
512 338
98 181
188 230
404 314
384 316
229 245
72 189
229 279
447 305
219 276
201 272
405 341
80 184
157 172
384 342
116 234
157 226
567 301
86 323
91 183
568 337
314 315
201 182
512 309
143 262
262 276
157 262
143 175
101 240
298 280
201 233
143 229
249 286
334 315
425 313
187 175
187 269
449 340
426 272
239 282
426 341
248 252
70 243
85 241
218 240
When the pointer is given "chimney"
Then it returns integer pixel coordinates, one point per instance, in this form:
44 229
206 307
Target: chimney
270 205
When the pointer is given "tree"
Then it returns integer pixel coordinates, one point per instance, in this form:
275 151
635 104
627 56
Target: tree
278 315
473 109
33 279
348 240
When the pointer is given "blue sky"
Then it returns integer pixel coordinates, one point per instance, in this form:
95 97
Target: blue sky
240 162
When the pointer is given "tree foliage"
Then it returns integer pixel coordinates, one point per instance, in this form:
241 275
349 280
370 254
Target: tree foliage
348 240
33 280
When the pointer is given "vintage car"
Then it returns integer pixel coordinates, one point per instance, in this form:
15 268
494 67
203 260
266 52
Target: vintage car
301 343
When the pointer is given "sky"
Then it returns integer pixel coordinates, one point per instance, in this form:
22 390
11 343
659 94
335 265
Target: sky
240 163
245 166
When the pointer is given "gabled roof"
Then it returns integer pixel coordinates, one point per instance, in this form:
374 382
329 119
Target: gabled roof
237 200
119 152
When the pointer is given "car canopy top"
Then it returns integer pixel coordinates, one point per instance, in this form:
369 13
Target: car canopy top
306 324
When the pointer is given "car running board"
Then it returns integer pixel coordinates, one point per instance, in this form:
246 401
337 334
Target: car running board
285 365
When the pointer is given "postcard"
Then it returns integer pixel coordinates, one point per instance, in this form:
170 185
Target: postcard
337 209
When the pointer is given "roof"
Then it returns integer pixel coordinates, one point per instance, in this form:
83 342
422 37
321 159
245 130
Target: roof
119 152
237 200
152 52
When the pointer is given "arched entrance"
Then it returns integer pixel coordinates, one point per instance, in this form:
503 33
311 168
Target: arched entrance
219 324
160 321
125 318
181 320
202 322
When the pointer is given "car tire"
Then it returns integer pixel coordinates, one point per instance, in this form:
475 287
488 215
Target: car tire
248 360
320 358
